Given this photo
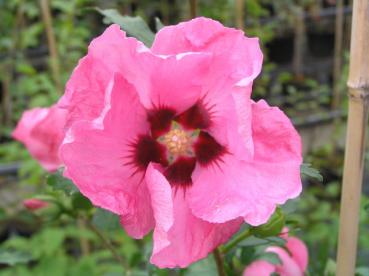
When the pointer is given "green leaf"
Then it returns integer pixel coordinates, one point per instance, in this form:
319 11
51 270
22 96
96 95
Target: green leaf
247 255
270 257
205 267
134 26
48 242
253 241
272 228
158 24
11 257
55 265
58 182
308 171
3 214
362 271
105 220
366 207
276 241
80 202
330 268
292 223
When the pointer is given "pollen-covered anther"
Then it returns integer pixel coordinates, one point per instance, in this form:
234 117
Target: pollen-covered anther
178 142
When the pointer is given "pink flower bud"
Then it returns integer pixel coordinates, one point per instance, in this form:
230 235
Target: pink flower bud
41 130
33 204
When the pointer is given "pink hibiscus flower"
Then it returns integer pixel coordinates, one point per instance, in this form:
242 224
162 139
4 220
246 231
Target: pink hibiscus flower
294 262
178 146
41 131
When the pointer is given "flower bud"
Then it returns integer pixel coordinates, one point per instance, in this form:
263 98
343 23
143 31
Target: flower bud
33 204
273 227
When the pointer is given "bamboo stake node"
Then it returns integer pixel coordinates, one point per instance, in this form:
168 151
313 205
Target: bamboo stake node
358 92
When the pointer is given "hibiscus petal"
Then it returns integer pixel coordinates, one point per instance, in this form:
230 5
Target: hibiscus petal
274 132
228 190
41 130
179 237
173 82
162 204
298 251
259 268
226 126
110 52
187 36
137 218
96 156
288 267
232 50
251 189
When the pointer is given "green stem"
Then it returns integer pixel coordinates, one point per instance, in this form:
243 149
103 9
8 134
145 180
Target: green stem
228 247
218 257
109 246
84 243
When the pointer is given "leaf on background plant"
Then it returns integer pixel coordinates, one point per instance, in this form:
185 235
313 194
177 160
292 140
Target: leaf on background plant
158 24
55 265
48 242
276 241
307 170
333 189
134 26
270 257
254 241
58 182
247 255
80 202
290 206
105 220
293 224
205 267
11 257
3 214
362 271
366 207
330 268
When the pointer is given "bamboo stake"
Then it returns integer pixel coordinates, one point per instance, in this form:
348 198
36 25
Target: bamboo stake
165 11
7 102
8 67
347 32
239 14
299 41
193 8
358 84
53 50
337 66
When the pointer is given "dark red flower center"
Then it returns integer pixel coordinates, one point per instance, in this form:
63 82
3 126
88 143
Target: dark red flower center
178 143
